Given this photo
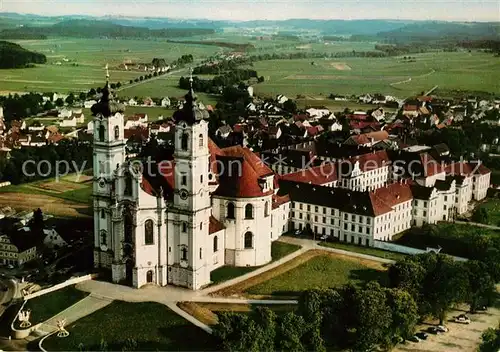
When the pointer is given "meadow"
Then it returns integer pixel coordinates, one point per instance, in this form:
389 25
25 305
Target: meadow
86 59
392 75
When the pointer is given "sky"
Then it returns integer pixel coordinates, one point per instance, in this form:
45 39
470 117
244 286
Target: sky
239 10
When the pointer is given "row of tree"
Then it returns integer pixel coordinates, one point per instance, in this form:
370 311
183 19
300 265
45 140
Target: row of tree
362 318
216 84
31 164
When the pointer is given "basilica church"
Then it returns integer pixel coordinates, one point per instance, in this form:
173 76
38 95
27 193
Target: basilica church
173 222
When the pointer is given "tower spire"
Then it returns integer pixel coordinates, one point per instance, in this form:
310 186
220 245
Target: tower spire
107 74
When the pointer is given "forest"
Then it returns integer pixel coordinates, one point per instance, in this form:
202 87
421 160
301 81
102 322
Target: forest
15 56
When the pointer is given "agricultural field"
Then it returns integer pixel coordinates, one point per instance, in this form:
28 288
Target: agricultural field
313 269
392 75
71 196
86 59
123 326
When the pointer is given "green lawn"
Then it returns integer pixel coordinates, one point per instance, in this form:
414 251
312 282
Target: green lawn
364 250
322 271
46 306
278 251
151 326
450 71
87 58
492 206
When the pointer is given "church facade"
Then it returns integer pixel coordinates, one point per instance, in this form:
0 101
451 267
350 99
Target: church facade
173 222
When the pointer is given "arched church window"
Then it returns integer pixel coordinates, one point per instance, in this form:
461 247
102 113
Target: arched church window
249 211
101 133
184 253
184 141
184 227
128 184
149 232
248 240
230 211
200 140
266 209
104 237
216 244
103 214
117 132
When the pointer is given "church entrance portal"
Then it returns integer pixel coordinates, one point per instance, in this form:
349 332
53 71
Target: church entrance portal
149 276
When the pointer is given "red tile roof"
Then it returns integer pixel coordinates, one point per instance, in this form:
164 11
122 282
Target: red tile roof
394 194
280 200
215 226
430 165
465 168
410 108
318 175
371 161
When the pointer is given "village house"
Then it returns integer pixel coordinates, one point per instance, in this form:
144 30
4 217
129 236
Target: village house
132 102
165 102
87 104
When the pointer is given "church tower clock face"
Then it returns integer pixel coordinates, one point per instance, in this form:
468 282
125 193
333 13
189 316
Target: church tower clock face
183 194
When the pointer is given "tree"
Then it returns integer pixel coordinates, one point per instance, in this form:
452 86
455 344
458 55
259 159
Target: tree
82 96
290 331
372 316
491 340
481 285
92 92
48 105
70 100
290 106
59 102
480 215
404 313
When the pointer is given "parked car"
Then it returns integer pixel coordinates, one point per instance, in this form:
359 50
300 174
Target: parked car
442 328
297 232
324 237
10 266
433 330
421 335
414 338
462 319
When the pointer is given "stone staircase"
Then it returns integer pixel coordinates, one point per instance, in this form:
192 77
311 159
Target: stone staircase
80 309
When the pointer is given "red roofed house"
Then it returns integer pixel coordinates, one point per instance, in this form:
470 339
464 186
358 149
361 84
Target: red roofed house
180 219
479 173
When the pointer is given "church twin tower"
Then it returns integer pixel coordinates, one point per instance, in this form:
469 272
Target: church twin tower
138 234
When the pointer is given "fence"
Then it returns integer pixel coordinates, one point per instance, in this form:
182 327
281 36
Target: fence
408 250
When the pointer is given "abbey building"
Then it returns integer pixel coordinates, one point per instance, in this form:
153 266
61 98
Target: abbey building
173 221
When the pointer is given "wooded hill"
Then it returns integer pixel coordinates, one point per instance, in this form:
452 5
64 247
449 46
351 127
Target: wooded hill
15 56
84 28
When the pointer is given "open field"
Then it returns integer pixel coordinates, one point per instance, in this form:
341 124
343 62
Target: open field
460 70
337 106
46 306
67 197
278 251
207 312
313 269
86 60
151 327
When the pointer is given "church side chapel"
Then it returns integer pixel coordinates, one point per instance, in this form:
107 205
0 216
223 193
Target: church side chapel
173 221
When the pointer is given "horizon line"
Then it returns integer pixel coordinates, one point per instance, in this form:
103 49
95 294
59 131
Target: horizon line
252 20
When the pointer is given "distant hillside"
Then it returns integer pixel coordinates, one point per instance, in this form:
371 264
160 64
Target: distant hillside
84 28
442 31
15 56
